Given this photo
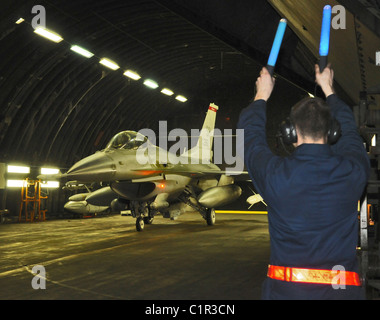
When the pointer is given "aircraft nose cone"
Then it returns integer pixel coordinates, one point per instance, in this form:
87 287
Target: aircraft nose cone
95 168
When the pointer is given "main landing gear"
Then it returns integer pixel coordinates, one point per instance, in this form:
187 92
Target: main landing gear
207 213
145 215
210 216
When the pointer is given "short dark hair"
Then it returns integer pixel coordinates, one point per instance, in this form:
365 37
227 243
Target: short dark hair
312 118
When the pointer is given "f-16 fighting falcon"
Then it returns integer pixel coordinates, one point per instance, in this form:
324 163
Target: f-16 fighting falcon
152 180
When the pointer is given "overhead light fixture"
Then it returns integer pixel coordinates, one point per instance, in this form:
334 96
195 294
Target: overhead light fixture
18 169
21 20
15 183
109 63
49 170
131 74
166 91
48 34
82 51
310 95
181 98
151 84
50 184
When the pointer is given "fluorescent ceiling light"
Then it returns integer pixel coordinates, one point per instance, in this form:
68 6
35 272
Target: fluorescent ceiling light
50 184
82 51
18 169
109 64
49 170
181 98
131 74
15 183
48 34
151 84
21 20
168 92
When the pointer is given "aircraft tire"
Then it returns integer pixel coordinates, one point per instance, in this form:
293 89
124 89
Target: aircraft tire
210 216
139 224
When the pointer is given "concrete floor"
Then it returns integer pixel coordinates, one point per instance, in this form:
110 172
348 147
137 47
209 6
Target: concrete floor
105 258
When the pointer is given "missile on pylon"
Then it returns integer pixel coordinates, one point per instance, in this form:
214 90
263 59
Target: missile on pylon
219 196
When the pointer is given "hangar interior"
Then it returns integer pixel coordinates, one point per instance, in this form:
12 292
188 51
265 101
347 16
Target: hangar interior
58 106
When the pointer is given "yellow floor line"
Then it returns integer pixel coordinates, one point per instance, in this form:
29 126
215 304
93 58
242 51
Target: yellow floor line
241 212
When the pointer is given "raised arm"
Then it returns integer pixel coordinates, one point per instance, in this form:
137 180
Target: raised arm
257 154
350 145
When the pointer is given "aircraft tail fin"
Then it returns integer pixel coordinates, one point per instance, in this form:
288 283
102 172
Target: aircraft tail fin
202 151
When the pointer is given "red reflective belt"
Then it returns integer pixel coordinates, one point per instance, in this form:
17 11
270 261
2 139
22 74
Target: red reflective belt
314 276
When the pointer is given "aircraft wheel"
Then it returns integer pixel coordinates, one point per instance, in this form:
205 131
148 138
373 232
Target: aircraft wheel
210 216
139 224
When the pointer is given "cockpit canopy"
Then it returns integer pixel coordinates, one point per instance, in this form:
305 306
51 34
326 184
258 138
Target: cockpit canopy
127 140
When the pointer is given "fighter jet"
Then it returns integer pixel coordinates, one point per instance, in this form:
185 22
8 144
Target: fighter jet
133 168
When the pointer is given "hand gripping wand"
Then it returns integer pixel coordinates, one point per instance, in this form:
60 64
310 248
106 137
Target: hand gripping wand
276 46
325 38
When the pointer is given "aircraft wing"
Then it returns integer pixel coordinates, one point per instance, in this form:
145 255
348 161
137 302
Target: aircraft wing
194 173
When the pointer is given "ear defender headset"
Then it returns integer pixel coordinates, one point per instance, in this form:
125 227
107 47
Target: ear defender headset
288 133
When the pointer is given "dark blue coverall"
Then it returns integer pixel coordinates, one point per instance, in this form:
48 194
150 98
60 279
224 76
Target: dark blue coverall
312 199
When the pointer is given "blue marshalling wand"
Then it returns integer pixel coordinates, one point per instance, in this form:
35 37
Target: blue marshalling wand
276 46
325 38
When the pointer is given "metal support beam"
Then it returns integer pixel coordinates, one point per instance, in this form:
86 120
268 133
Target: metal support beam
365 13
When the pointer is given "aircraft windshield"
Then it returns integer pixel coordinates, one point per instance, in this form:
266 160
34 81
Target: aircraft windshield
126 140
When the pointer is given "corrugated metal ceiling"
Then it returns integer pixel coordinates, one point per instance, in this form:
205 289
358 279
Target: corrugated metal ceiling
57 107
